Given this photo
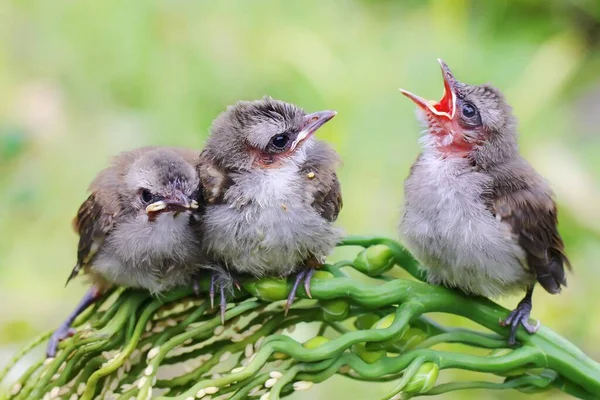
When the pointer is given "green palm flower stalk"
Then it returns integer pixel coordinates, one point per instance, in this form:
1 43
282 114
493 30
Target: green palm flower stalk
132 345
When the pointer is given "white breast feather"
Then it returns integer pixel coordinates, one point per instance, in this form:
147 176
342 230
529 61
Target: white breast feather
268 225
457 239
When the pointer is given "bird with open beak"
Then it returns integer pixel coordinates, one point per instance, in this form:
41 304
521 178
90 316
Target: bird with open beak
476 214
139 227
271 190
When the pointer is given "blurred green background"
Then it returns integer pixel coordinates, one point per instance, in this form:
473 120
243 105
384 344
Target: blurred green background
83 80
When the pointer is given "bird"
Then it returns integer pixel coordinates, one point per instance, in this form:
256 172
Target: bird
271 192
139 227
476 214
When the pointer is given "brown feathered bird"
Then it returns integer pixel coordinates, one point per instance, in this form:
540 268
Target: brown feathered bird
271 190
139 227
476 214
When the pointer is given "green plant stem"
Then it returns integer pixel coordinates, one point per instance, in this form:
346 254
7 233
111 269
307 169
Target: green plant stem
133 335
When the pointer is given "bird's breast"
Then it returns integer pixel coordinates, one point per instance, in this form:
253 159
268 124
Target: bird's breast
155 255
449 229
267 225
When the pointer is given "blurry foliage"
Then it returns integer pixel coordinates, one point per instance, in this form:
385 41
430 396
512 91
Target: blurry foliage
80 81
12 143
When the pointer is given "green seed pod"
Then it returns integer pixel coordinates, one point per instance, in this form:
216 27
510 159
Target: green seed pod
280 356
268 289
315 342
424 379
384 322
322 275
374 260
411 339
335 310
367 356
365 321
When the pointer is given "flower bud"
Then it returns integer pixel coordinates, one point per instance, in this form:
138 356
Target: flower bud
322 275
315 342
411 339
268 289
365 321
280 356
424 379
374 260
366 355
335 310
384 322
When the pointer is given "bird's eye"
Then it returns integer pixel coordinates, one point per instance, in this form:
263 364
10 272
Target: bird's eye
469 110
146 196
280 141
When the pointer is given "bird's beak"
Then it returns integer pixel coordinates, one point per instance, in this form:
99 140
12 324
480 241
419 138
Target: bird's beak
446 107
312 122
177 202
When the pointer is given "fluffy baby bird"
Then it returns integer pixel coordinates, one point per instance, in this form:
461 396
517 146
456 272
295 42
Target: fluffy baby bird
476 214
139 227
271 190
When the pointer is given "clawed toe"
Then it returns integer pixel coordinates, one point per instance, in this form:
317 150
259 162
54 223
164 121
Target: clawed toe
59 335
214 283
304 276
529 328
520 316
196 287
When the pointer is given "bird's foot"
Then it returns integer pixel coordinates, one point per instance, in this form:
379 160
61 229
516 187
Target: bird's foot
196 284
221 282
520 316
64 331
304 275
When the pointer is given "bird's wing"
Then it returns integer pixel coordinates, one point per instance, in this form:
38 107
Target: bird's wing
322 182
532 216
93 223
213 179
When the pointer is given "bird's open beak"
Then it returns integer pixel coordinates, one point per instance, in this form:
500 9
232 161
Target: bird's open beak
446 107
312 122
177 202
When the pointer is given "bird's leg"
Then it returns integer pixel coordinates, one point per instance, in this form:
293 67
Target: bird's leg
64 330
520 316
311 265
221 280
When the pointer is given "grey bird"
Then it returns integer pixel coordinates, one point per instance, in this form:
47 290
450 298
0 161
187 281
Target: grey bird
476 214
139 227
271 191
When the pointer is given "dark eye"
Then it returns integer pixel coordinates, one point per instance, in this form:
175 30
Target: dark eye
146 196
469 110
280 141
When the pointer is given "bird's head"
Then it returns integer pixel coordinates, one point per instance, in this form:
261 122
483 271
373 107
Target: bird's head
161 181
469 121
264 133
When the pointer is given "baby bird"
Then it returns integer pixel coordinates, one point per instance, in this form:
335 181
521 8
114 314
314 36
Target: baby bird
476 214
271 190
139 227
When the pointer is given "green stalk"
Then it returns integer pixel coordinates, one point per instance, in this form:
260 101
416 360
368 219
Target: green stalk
134 335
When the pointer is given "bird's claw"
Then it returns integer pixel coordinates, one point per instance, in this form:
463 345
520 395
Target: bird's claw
223 302
63 332
196 287
306 276
519 316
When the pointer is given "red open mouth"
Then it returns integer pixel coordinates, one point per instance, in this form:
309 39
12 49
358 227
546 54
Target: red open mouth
446 107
